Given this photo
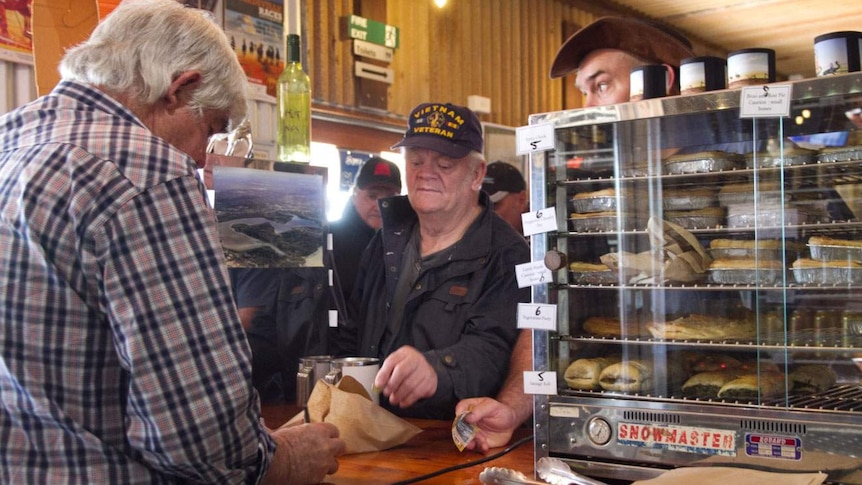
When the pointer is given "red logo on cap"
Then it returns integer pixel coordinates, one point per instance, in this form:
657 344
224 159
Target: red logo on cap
383 169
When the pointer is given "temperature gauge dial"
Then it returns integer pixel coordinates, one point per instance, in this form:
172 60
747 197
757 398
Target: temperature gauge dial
599 431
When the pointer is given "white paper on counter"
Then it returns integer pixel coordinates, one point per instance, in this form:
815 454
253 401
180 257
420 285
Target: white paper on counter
721 475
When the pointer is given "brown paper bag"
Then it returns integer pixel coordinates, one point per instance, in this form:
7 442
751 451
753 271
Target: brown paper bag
363 425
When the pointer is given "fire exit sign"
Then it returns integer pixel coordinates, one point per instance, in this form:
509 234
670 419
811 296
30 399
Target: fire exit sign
372 31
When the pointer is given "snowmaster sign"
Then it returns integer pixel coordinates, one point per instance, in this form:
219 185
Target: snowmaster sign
687 439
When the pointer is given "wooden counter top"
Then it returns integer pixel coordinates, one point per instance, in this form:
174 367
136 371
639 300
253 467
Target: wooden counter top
427 452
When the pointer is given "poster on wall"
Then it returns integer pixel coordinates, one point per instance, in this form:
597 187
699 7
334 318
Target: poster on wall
270 214
16 31
351 160
256 31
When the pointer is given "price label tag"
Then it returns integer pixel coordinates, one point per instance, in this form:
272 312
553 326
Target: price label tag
767 101
333 318
534 138
537 222
540 382
537 316
535 273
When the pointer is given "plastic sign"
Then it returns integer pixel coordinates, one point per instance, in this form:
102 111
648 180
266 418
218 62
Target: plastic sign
766 101
537 222
534 138
530 274
540 382
537 316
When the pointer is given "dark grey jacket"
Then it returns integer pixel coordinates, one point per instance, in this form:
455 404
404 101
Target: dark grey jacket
462 314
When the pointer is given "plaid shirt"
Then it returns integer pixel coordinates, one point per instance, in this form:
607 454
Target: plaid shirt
122 359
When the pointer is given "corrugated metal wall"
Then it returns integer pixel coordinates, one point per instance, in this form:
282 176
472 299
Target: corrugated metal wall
17 85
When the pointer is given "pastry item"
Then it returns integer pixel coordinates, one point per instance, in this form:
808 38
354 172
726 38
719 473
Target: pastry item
707 384
746 271
609 192
628 376
828 241
745 249
583 374
595 202
744 193
828 249
702 327
840 154
812 378
791 156
753 386
698 218
611 327
699 162
582 266
838 272
688 199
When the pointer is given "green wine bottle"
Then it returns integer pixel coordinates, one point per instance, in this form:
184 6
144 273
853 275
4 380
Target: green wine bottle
294 108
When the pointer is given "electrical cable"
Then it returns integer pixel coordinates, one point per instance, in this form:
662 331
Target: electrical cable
488 458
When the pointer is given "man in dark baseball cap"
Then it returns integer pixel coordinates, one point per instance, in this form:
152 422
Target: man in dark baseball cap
604 52
377 179
507 190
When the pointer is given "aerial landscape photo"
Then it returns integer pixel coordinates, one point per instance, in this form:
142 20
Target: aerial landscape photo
270 219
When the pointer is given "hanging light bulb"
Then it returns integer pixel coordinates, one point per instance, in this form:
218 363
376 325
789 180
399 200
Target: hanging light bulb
440 3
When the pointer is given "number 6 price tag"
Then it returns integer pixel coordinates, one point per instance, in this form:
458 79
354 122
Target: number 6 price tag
542 220
537 316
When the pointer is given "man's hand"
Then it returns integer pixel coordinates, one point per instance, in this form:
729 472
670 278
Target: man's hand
406 377
305 454
496 422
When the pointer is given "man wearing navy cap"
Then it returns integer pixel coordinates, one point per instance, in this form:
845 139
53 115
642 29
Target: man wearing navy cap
507 190
440 311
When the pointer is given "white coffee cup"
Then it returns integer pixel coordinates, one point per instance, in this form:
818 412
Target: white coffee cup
363 369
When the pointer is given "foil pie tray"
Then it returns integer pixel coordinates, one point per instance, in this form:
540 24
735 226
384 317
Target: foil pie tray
746 276
840 154
823 252
828 276
599 223
696 221
680 202
743 215
745 253
608 277
594 204
765 160
747 197
702 165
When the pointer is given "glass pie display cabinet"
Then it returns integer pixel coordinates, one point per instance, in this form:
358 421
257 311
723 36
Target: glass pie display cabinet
707 282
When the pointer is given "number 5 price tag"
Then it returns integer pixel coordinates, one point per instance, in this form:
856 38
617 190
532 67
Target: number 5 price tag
534 138
540 382
537 316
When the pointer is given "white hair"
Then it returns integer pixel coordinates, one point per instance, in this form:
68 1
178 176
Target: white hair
144 45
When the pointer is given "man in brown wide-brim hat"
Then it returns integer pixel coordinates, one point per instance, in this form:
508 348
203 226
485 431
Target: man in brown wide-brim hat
604 52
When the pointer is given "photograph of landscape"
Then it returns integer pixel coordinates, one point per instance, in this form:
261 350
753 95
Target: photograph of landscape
270 219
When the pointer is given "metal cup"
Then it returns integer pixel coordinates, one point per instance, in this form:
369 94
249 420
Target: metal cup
311 369
363 369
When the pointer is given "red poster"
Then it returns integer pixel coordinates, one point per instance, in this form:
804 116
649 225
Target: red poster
16 34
